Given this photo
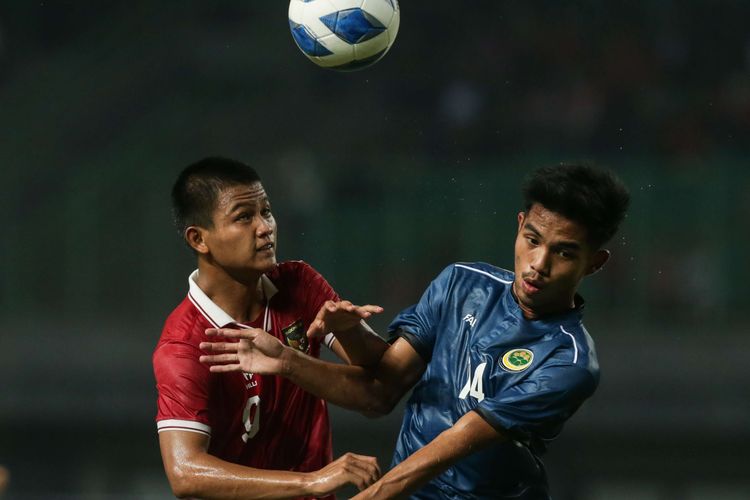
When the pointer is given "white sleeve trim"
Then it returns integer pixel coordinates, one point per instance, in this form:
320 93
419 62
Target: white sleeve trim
329 340
505 282
575 344
183 425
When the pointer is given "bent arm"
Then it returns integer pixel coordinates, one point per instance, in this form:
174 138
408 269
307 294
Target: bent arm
359 345
193 472
470 434
372 391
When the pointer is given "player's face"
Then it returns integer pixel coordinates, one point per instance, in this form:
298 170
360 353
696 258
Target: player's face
243 237
552 256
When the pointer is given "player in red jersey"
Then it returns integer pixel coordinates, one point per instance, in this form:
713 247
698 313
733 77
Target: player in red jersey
240 435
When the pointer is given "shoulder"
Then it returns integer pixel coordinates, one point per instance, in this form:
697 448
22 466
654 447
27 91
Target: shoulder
292 271
575 348
563 360
298 283
185 326
462 277
481 271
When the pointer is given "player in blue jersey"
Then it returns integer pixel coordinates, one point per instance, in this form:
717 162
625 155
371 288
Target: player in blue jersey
498 360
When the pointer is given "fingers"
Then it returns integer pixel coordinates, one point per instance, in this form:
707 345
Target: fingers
362 470
229 348
339 316
359 470
373 308
220 346
225 368
222 363
346 306
219 358
368 310
316 329
369 467
231 333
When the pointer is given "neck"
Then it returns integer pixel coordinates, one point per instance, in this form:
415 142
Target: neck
242 299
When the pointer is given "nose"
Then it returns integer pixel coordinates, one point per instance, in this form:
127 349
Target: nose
263 228
540 261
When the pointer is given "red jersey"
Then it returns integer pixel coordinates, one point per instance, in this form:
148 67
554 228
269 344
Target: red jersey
265 421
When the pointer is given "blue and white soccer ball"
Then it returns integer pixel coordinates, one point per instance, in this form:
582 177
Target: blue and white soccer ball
344 34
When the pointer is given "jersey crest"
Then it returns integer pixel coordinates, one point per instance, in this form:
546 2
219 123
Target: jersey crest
517 360
295 336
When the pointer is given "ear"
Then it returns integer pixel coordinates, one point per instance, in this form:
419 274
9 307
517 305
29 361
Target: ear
521 218
597 261
195 237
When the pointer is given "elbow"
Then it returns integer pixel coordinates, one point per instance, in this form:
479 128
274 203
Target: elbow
380 406
182 482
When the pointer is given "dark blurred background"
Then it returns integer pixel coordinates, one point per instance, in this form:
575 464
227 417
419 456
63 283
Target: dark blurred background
379 179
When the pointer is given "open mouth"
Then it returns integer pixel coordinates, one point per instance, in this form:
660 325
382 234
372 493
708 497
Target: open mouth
265 248
530 286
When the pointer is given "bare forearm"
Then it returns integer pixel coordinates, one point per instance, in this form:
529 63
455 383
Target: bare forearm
467 436
413 472
206 476
192 472
361 345
373 390
352 387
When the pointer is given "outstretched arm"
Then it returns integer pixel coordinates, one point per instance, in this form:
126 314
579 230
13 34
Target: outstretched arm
192 472
470 434
372 391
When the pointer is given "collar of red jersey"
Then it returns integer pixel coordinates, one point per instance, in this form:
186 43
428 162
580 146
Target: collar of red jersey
215 314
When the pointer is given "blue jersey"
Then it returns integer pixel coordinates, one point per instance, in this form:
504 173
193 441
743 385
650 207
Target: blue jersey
524 377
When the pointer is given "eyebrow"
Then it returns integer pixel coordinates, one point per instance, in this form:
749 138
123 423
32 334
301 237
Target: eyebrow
531 228
572 245
249 203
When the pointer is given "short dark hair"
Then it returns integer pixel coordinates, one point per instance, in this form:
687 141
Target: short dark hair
591 196
197 188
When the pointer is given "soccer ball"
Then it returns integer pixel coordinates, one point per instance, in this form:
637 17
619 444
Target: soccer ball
344 34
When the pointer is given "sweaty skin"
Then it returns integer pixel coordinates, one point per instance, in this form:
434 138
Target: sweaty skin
552 255
233 253
238 248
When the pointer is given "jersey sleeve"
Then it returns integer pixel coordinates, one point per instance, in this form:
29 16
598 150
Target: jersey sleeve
182 383
418 324
538 405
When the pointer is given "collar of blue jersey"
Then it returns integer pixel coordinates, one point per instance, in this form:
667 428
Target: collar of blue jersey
215 314
571 315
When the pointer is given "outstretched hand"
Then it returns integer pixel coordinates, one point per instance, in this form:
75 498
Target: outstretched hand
256 352
339 317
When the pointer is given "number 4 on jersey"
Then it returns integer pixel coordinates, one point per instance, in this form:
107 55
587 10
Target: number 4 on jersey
473 385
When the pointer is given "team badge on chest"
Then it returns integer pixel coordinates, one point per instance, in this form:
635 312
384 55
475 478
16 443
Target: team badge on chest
295 336
517 360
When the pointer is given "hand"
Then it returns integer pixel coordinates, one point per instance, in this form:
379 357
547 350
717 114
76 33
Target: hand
256 352
359 470
5 478
339 317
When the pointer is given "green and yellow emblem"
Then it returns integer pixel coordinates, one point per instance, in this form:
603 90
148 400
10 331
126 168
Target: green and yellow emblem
295 336
517 360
